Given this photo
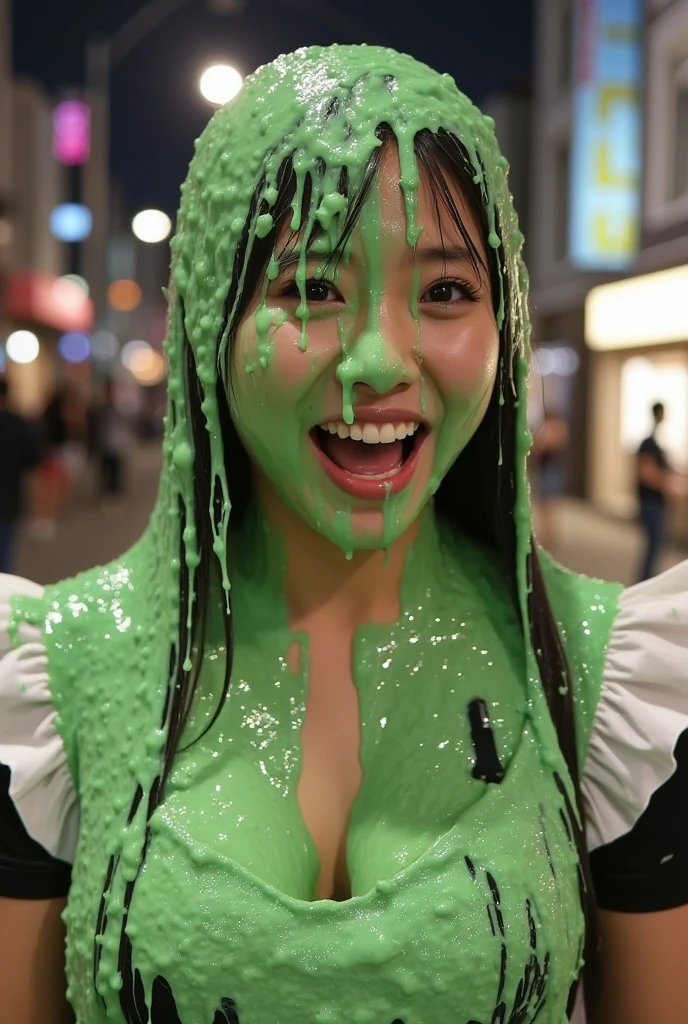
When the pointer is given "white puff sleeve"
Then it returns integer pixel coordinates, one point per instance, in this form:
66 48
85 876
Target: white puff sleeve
38 805
635 780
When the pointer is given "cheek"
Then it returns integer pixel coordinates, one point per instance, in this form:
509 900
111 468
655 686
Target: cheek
463 362
286 370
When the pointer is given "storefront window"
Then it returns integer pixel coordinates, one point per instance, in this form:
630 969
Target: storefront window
644 381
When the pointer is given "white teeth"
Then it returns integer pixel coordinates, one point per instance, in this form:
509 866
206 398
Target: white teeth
372 433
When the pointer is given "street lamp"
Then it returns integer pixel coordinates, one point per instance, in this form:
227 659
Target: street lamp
22 347
103 55
151 226
220 83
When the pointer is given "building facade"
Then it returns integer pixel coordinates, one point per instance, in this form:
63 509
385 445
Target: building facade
558 289
33 295
637 328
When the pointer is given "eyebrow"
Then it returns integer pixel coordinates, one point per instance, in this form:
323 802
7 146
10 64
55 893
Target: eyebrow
443 254
426 254
293 256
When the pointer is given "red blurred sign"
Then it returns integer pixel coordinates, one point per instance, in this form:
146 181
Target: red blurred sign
72 132
48 300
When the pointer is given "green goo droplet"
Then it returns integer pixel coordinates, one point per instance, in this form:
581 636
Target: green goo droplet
264 225
182 456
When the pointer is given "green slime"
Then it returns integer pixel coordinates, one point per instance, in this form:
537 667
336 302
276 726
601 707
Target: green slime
224 905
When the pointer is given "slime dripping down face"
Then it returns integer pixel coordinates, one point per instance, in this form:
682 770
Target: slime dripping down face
354 391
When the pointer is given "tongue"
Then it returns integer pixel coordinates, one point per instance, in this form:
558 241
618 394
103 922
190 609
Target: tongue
362 459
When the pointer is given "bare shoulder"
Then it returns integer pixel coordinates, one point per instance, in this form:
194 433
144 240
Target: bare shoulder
32 976
642 967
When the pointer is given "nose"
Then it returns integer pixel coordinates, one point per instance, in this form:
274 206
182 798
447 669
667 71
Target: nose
380 359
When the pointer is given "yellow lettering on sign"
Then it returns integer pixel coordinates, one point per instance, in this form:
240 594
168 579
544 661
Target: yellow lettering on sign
620 33
605 174
622 241
610 95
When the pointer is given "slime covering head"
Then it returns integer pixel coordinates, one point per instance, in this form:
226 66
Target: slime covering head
297 153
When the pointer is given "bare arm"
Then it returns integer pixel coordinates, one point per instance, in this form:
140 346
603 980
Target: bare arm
32 977
643 968
652 475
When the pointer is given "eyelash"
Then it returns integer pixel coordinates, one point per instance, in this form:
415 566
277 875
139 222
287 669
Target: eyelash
291 289
470 292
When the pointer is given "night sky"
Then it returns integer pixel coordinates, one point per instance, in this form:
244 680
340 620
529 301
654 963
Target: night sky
157 110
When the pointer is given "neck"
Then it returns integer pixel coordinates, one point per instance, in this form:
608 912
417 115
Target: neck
318 579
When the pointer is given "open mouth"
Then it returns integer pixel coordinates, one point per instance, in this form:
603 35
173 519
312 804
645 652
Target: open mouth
369 460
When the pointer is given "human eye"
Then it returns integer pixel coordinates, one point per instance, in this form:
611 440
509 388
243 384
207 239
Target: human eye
315 290
448 292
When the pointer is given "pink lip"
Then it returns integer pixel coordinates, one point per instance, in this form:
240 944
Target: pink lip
382 487
378 414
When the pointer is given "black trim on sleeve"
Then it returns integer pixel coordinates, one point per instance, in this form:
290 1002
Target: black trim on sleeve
646 870
27 870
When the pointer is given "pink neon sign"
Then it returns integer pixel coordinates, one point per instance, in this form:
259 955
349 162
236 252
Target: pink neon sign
72 132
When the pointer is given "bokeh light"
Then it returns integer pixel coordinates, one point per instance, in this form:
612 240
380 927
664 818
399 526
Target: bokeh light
71 222
78 280
220 83
147 367
130 349
74 347
104 346
151 226
22 347
124 295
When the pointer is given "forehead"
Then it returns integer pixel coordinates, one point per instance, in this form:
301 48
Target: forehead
385 211
433 215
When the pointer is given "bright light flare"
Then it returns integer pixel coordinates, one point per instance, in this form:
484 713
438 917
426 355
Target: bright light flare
22 347
220 83
151 226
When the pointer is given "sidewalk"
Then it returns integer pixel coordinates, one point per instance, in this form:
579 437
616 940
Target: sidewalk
599 545
590 542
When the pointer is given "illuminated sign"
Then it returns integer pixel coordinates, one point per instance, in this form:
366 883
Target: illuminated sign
604 210
71 222
646 310
72 133
49 300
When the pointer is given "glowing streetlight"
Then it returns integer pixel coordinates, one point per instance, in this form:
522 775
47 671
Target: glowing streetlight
220 83
22 347
151 226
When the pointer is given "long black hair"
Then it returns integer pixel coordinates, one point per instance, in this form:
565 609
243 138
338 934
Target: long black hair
484 511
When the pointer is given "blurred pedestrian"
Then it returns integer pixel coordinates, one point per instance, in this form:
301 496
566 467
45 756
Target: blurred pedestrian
548 474
20 453
657 486
110 438
64 432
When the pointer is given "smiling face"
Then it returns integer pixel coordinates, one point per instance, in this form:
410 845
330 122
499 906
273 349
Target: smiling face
353 410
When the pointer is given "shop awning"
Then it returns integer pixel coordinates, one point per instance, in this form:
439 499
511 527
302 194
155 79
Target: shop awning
49 301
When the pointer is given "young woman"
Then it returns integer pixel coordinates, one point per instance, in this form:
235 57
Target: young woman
352 785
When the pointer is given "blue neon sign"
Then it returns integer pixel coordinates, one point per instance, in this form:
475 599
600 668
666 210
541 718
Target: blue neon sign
71 222
604 209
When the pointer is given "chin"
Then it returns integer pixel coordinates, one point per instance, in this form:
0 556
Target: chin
371 529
